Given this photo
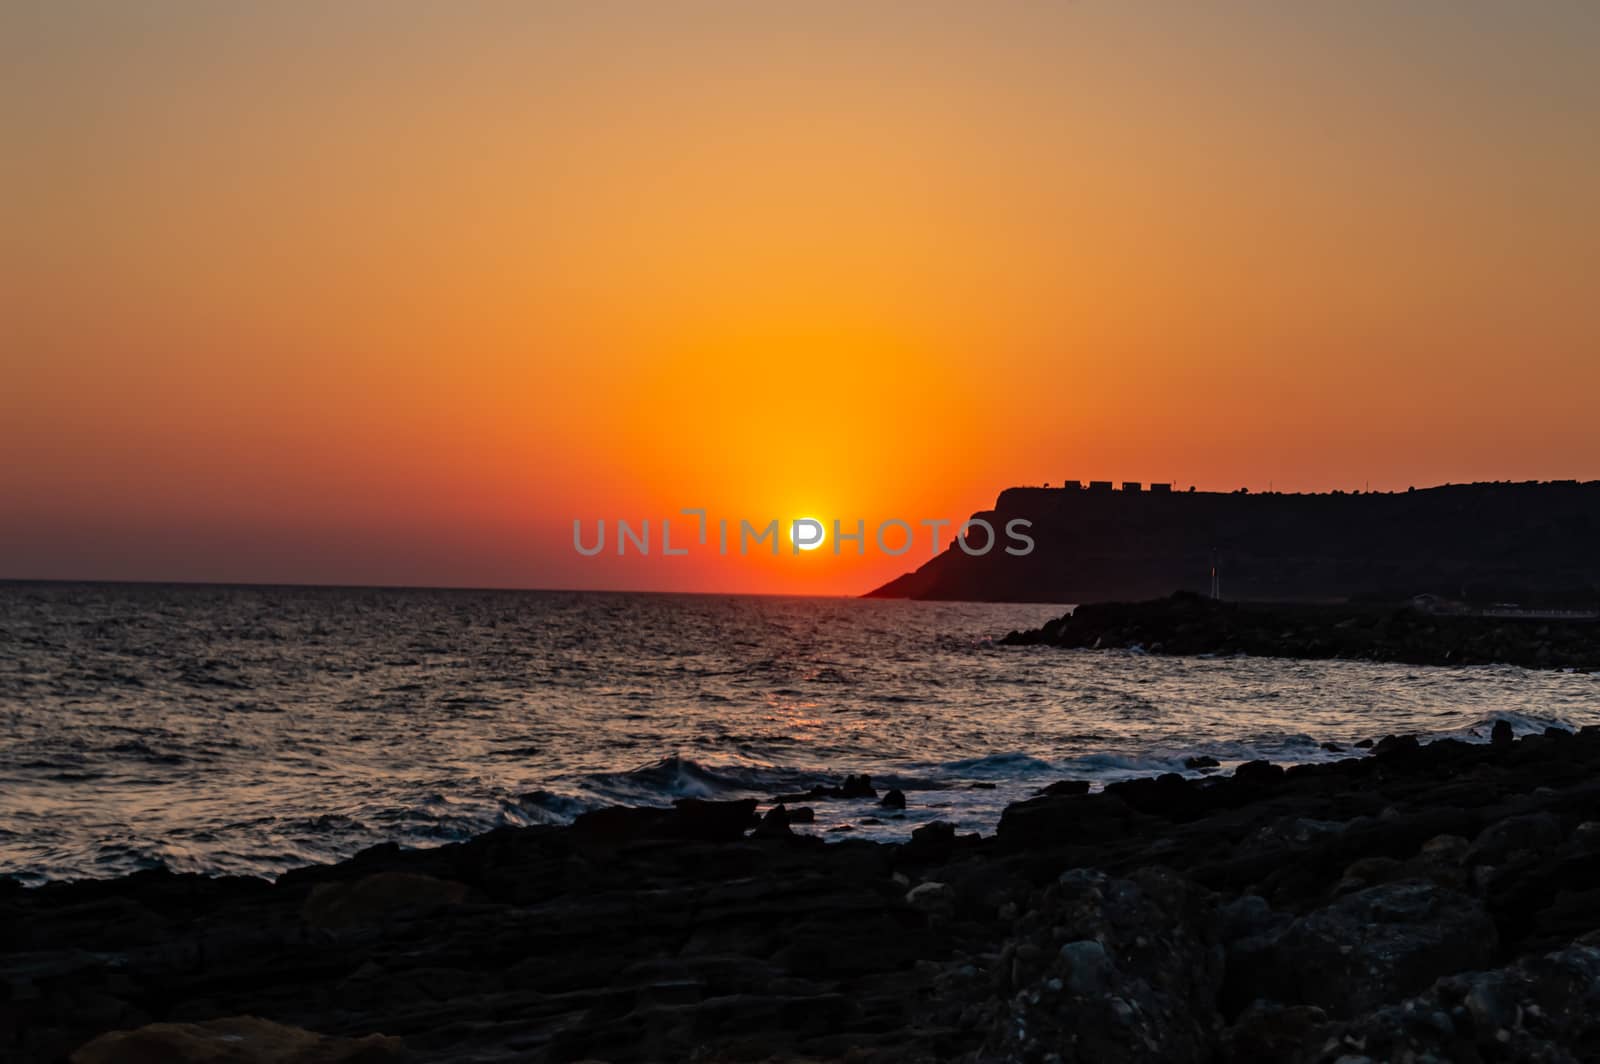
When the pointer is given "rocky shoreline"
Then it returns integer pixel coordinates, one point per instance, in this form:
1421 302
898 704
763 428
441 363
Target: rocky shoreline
1186 623
1425 902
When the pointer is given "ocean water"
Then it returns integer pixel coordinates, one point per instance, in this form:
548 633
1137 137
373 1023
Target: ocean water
249 730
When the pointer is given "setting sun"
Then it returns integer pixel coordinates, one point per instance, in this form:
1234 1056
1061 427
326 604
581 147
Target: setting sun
807 533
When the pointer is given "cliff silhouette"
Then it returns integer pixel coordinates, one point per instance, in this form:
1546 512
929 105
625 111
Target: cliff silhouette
1533 543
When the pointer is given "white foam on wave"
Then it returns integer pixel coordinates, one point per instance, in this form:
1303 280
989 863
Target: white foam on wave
1002 764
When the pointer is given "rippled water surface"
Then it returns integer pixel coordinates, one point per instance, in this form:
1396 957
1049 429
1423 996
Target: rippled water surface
254 729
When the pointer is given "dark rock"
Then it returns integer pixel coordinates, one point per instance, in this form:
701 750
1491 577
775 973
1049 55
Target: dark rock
713 821
1500 735
1442 859
935 832
1587 836
689 818
852 787
1396 746
1370 871
857 787
932 837
1134 977
1258 772
895 799
938 899
1372 946
1168 795
775 824
1540 1008
932 843
619 823
1364 744
1056 819
1087 966
1202 761
1496 843
1268 1031
1061 787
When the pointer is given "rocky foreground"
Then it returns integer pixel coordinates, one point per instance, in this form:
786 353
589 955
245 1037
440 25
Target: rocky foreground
1423 903
1186 623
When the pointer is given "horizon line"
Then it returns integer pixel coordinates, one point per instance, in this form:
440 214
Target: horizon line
315 586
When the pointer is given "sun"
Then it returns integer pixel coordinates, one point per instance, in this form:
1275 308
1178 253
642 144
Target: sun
807 533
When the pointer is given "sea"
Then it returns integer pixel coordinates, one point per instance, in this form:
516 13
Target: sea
248 730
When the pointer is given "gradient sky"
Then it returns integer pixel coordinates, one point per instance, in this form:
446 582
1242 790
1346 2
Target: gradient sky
391 293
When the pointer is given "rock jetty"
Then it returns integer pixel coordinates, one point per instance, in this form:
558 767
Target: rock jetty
1186 623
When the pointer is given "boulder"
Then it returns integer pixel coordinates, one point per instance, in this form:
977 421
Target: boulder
1443 860
857 787
621 823
1587 836
689 818
1396 746
708 821
935 899
1063 819
1087 965
1541 1008
1535 832
774 825
1168 795
1135 978
1258 772
852 787
935 832
933 841
1369 947
1268 1031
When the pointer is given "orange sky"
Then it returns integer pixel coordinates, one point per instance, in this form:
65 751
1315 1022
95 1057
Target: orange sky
391 293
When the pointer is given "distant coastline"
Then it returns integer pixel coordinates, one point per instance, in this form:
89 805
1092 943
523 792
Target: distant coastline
1528 544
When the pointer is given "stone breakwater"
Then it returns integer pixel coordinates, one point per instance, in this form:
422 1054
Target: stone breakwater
1189 624
1426 902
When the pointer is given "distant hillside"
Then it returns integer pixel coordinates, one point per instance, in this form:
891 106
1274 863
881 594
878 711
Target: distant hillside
1527 542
